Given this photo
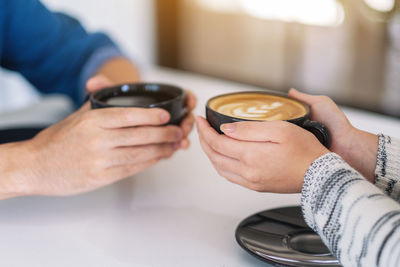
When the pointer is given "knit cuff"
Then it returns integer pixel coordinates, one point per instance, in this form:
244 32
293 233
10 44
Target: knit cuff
387 172
322 186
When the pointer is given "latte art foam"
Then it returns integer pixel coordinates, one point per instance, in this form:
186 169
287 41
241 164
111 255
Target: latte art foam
253 106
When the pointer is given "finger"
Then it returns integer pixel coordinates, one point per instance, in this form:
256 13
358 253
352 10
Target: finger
144 135
187 124
191 100
129 117
138 155
323 108
255 131
184 144
97 82
218 142
221 162
306 98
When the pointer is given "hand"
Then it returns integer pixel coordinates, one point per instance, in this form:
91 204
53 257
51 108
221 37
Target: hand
356 147
98 82
263 156
91 149
94 148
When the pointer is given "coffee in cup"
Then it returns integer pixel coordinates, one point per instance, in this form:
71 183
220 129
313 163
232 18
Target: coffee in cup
263 106
143 95
252 106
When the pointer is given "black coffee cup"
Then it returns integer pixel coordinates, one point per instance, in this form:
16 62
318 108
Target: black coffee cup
216 119
143 95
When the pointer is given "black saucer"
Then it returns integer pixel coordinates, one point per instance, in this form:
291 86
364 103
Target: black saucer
282 237
19 134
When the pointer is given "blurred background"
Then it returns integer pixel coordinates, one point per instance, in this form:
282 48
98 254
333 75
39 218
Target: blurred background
347 49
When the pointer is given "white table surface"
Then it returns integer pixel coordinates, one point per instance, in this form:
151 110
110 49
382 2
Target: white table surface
178 213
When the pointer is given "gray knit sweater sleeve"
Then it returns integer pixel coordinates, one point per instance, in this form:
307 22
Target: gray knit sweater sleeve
356 220
387 172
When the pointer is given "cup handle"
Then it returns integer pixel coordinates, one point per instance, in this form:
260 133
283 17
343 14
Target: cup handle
319 130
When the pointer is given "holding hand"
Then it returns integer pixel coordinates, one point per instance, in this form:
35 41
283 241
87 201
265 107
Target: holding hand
92 148
356 147
263 156
274 156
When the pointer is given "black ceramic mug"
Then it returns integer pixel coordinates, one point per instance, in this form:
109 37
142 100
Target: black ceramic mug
263 106
143 95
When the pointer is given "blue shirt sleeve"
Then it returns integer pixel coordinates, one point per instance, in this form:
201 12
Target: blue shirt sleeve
51 50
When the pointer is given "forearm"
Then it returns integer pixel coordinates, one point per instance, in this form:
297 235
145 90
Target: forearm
119 70
14 170
354 218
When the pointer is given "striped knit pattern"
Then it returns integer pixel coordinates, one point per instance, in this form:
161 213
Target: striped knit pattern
387 172
356 220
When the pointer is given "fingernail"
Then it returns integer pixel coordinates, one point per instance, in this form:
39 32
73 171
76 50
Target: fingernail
164 117
228 127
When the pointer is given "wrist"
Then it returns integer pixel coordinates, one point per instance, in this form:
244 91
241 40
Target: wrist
16 170
361 152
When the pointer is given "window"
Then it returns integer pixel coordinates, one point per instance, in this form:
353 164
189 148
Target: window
309 12
381 5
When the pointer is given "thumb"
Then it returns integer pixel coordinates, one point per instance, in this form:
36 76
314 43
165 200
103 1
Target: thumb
306 98
257 131
97 82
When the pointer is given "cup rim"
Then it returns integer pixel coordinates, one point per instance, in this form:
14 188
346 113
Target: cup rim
265 92
93 96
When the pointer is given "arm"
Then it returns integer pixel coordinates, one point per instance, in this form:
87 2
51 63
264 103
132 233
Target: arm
355 219
52 50
377 159
387 172
118 142
55 54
